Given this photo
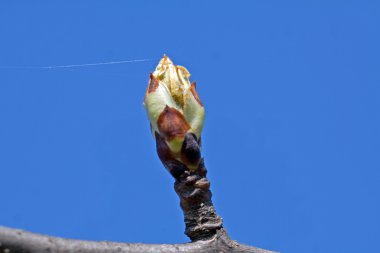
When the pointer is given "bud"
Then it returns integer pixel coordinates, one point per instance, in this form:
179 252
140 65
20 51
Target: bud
175 112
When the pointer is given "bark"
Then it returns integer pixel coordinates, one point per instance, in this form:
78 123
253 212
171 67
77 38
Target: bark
19 241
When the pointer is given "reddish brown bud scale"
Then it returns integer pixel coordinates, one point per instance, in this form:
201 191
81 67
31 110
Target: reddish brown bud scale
194 92
163 150
171 123
176 168
190 151
153 83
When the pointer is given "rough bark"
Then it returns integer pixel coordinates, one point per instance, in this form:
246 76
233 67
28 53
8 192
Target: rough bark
192 187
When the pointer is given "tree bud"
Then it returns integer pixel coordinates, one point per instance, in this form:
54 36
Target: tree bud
175 110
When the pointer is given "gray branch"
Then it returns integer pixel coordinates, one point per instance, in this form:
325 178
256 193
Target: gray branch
19 241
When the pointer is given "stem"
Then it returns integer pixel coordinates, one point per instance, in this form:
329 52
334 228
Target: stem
192 186
193 189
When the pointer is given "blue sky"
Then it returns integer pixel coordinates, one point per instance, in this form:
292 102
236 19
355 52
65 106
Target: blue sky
292 131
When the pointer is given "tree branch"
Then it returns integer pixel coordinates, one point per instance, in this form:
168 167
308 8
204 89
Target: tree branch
19 241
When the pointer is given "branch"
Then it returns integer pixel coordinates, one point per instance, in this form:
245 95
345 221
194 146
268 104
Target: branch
19 241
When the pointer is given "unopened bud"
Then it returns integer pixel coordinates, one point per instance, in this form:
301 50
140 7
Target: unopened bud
174 109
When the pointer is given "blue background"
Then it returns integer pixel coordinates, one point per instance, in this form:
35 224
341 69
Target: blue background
292 133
